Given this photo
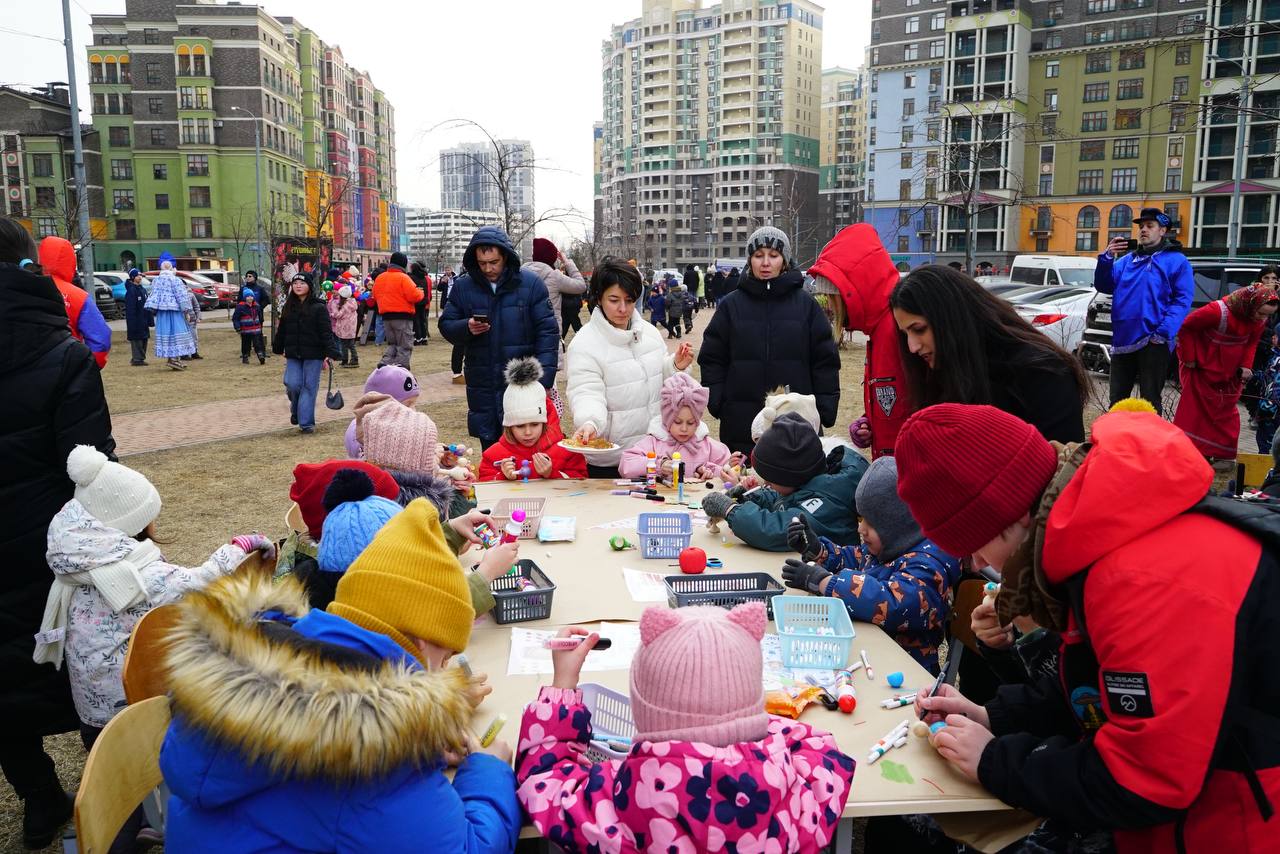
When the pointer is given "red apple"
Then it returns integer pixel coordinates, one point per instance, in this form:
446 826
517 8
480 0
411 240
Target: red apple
693 560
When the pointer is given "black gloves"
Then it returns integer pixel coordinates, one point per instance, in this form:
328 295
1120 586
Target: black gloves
804 576
801 538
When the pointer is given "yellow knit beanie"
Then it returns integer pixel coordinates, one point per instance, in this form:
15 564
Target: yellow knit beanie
408 584
1133 404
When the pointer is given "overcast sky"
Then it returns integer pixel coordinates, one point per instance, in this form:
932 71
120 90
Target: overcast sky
523 70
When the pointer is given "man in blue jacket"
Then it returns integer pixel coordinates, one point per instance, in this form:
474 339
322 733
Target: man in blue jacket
1151 290
498 313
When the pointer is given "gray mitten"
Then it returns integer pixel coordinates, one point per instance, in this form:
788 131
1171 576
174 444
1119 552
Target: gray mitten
716 505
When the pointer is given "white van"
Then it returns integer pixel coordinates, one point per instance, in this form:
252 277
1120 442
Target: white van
1053 270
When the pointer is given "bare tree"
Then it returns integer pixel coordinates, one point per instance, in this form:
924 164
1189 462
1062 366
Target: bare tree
242 227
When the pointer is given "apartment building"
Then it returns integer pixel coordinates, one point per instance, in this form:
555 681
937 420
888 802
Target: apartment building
843 154
438 239
711 129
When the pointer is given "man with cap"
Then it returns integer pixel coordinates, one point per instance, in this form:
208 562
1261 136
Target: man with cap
138 321
1151 289
1160 723
397 297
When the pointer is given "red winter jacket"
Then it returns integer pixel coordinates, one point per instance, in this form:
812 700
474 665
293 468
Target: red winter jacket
1179 613
857 264
396 294
564 463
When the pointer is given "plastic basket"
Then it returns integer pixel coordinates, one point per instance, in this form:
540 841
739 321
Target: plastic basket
664 535
725 589
533 509
517 603
610 718
815 631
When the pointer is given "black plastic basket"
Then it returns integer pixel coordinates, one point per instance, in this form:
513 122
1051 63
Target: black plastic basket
725 589
517 603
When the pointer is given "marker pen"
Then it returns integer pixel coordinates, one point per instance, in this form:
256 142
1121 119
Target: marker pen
862 653
648 496
572 643
464 665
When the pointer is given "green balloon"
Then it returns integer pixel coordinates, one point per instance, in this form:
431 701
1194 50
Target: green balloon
327 286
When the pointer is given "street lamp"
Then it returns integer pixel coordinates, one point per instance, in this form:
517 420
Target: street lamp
1237 164
257 185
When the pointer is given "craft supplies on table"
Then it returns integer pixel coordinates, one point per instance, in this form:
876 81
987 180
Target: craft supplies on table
612 726
663 535
523 595
726 589
558 529
533 509
815 631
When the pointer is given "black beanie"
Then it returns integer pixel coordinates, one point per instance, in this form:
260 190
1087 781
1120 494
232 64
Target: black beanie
789 453
399 259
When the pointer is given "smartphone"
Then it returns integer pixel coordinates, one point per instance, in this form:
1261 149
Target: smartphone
1132 245
480 318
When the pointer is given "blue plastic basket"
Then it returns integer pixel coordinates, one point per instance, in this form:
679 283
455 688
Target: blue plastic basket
664 535
610 718
815 631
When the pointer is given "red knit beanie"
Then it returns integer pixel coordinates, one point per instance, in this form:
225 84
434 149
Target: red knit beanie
310 480
545 251
969 472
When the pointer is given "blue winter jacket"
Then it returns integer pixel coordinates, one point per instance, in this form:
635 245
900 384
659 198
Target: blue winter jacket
909 597
1151 295
336 798
137 319
827 500
521 324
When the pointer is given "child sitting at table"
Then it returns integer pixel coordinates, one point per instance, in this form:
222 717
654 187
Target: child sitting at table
679 428
310 480
530 443
708 768
896 578
393 381
798 481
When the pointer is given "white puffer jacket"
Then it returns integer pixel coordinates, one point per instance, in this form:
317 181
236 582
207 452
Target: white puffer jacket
615 380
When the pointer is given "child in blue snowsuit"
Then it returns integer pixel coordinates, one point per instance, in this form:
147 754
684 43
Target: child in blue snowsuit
895 578
1269 402
658 309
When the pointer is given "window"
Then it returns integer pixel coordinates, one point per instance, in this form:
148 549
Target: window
1171 211
1046 185
122 170
1087 223
1046 154
871 137
153 73
1053 41
933 131
46 226
160 171
1181 86
1093 121
1090 181
930 188
1128 119
904 217
1127 90
937 49
122 199
163 231
908 107
935 104
1095 7
904 243
938 21
1049 125
1055 10
1124 180
1051 100
1182 55
908 136
46 197
1096 92
875 56
1093 149
1086 241
162 201
157 137
931 159
1175 146
197 164
904 188
126 229
201 226
118 137
99 104
911 51
935 76
908 81
42 164
1177 115
1132 59
1172 179
155 106
150 35
1097 63
1121 216
1052 68
1125 149
913 24
186 97
198 197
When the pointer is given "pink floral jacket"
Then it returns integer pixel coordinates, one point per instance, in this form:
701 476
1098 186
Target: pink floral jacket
784 793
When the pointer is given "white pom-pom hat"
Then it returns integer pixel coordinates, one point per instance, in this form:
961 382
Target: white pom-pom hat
115 495
804 405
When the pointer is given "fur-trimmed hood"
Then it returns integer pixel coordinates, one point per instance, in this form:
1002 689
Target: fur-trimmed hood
438 490
315 697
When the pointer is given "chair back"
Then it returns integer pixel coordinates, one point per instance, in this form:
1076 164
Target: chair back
293 519
144 673
122 769
1255 468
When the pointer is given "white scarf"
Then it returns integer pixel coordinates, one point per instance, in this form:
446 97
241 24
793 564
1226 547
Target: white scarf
120 584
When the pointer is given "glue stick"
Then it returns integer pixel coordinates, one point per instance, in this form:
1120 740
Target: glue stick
651 469
495 727
512 530
677 469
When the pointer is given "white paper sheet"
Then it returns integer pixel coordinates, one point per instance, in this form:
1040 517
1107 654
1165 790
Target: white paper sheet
645 586
629 523
529 656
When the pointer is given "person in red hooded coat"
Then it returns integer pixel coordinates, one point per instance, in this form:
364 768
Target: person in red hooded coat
58 258
856 264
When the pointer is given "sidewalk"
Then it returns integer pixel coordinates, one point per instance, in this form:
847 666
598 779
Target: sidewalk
180 426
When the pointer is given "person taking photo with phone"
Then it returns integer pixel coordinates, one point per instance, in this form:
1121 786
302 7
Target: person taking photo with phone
1150 287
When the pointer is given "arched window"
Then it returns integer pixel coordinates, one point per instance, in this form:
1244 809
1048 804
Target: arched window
1087 222
1121 217
125 75
1088 217
198 61
111 71
95 68
184 60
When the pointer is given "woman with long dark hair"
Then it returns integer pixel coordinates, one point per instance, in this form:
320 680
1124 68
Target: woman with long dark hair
305 339
961 344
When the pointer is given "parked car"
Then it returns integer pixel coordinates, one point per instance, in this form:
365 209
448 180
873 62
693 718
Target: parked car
105 301
989 282
1214 279
208 292
114 279
227 280
1060 313
1052 270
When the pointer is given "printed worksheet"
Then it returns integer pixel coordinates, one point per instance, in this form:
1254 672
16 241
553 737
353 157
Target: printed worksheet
529 656
645 586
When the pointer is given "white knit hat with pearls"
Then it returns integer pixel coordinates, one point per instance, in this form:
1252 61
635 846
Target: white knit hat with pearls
115 495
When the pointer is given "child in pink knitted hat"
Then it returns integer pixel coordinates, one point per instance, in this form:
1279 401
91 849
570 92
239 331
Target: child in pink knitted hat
708 769
679 427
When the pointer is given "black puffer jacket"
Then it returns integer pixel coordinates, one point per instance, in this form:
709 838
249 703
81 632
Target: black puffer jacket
762 336
305 333
53 401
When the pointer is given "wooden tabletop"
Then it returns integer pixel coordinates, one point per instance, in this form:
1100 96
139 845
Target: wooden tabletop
590 588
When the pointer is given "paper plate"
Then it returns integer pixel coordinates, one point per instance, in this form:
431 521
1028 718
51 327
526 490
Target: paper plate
588 452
